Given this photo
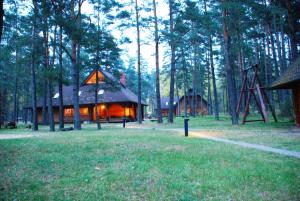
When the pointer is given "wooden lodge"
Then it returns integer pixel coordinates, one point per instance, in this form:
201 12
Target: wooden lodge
201 105
290 79
115 100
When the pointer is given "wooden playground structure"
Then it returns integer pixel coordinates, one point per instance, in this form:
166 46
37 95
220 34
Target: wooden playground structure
252 87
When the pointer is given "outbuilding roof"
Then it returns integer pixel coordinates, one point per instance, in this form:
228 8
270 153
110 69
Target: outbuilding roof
289 77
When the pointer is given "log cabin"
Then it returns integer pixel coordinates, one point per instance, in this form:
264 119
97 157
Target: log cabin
115 100
290 79
201 104
164 103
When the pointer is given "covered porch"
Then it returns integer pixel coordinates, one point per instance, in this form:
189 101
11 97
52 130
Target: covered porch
107 112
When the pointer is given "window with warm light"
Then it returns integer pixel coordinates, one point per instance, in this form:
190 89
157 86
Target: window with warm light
127 112
92 79
68 112
84 111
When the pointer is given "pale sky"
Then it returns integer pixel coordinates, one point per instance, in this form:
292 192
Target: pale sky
147 35
128 50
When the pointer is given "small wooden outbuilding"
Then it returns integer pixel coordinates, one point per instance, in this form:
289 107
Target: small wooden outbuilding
200 102
290 79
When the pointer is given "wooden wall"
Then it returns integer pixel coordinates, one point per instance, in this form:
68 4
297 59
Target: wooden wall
201 106
296 96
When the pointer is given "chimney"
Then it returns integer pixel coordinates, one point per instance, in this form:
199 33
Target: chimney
123 79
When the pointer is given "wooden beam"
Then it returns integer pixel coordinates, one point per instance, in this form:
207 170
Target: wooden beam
263 107
244 89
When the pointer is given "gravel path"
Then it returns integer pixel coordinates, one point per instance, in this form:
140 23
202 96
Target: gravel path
15 136
200 134
285 152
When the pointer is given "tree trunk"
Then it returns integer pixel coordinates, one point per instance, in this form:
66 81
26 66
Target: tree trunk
1 19
281 93
177 97
216 102
269 70
273 52
172 73
75 83
44 107
229 70
15 115
47 68
284 62
1 107
50 107
211 57
208 88
75 73
97 70
194 74
278 46
33 63
60 81
139 115
292 29
184 82
96 97
158 103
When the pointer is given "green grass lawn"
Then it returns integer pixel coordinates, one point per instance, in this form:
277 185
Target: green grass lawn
209 122
132 164
278 135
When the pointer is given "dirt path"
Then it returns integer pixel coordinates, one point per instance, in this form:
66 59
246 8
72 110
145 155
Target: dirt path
213 135
16 136
285 152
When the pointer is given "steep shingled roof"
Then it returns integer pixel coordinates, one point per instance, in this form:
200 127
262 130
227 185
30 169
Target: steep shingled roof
112 94
164 102
289 77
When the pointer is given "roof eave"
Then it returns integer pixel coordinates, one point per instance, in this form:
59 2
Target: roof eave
287 85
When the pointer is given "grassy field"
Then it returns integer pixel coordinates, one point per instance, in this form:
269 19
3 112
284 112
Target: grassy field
209 122
132 164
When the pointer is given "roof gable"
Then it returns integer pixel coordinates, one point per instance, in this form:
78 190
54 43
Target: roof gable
91 79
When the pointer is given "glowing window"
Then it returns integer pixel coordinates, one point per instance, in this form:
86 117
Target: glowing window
92 78
127 112
83 111
100 92
56 95
79 93
69 112
167 103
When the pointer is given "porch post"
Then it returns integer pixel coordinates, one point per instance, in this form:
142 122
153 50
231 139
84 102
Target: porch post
143 112
31 116
296 97
107 112
26 115
90 110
